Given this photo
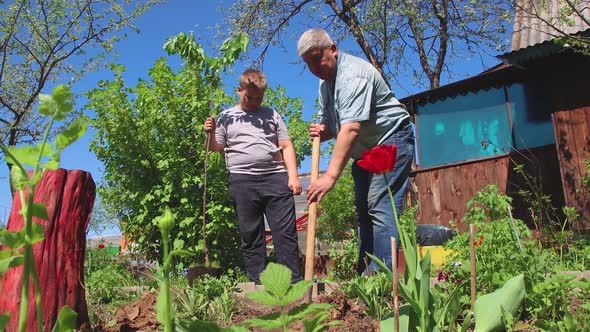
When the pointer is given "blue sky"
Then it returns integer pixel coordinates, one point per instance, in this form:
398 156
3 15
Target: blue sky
139 51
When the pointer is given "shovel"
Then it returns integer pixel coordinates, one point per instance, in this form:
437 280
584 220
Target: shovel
312 217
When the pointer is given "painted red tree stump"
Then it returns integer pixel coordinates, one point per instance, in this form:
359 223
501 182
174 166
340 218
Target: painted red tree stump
59 259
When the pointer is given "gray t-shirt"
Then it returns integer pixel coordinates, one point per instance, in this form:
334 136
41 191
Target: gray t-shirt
251 140
359 94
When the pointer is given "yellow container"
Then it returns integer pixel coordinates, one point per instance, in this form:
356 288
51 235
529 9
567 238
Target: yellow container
438 254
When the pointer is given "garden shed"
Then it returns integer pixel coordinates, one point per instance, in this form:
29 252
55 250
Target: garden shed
532 109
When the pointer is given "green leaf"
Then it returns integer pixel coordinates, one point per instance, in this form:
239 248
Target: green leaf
276 279
19 177
13 240
38 232
28 155
297 291
4 318
264 297
62 97
307 310
66 320
39 211
10 261
268 322
204 326
387 322
53 163
72 133
47 106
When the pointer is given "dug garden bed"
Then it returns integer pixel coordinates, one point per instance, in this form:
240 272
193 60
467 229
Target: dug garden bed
140 315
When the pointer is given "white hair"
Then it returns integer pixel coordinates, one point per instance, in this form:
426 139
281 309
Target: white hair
313 38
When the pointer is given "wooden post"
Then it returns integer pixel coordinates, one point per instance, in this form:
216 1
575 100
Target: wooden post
312 217
472 264
395 282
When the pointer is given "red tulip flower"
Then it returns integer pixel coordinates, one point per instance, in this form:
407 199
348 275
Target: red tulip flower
380 159
101 246
479 242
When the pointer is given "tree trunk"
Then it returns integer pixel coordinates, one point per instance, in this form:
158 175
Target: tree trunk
59 259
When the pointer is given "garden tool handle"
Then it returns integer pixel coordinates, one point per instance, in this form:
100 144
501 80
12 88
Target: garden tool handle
311 218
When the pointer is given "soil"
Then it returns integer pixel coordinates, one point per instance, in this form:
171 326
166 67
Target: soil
140 315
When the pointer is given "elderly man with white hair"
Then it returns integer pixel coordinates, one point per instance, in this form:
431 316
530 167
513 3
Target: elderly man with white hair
358 109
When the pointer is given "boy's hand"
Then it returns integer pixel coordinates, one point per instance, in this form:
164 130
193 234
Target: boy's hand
209 125
295 186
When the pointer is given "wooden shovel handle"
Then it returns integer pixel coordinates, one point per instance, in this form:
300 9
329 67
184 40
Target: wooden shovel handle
312 217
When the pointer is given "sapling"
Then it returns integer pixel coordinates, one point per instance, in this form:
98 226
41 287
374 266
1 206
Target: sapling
279 292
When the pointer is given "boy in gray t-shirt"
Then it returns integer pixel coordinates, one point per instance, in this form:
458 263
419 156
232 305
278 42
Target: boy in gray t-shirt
262 167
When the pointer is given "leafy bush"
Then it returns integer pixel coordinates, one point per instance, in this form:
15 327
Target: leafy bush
374 291
345 259
339 215
104 278
209 299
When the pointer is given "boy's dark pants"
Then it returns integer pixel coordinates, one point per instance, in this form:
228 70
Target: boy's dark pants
255 196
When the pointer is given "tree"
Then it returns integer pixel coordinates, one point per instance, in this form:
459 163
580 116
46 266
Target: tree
565 21
43 42
396 36
151 141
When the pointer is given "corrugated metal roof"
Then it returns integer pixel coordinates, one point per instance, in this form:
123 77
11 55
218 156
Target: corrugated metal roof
499 75
537 21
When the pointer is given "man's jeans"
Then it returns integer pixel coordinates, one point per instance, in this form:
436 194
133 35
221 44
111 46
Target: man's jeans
376 219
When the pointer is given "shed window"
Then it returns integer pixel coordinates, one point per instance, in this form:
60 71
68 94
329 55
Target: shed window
531 115
466 127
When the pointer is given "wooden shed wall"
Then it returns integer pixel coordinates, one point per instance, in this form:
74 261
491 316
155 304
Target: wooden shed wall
443 192
568 82
572 131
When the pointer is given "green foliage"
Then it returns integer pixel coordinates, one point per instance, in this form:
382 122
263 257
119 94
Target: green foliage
291 110
209 298
374 291
66 320
345 259
339 215
104 280
380 28
44 42
279 292
586 177
150 139
415 286
498 256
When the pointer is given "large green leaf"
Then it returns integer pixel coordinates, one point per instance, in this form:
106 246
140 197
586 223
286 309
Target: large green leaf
4 318
38 233
8 260
12 240
66 320
39 211
387 323
72 133
276 279
264 297
488 308
297 291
